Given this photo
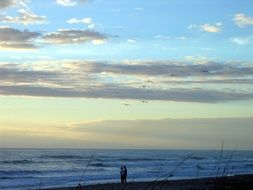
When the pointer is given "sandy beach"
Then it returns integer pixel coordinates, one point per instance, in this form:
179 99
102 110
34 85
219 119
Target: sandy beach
238 182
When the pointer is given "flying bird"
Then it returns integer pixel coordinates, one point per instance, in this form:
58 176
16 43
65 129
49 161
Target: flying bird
150 81
144 101
126 104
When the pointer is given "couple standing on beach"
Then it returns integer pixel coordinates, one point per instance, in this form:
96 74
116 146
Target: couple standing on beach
123 174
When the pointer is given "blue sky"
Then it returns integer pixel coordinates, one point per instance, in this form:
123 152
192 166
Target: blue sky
164 29
65 63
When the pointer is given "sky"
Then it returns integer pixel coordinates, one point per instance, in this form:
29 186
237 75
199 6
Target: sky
161 74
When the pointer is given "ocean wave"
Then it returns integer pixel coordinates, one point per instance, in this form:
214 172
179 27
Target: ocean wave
36 173
18 172
17 162
98 164
61 157
99 159
139 159
197 158
249 165
18 177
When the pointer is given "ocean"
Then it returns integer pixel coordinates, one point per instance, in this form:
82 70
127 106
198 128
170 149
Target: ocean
43 168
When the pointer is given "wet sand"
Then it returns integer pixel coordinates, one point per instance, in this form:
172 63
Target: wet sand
238 182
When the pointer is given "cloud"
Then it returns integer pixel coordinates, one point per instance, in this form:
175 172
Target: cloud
192 26
198 59
167 37
12 38
131 41
13 73
25 17
211 28
72 36
117 92
181 38
70 3
144 69
86 20
242 40
93 79
167 68
215 28
195 133
67 3
139 9
171 133
235 81
242 20
7 3
13 3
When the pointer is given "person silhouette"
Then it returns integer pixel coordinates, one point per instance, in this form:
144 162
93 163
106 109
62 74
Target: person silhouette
125 174
122 174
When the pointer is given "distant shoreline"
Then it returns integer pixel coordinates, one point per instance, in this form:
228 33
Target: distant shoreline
237 182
